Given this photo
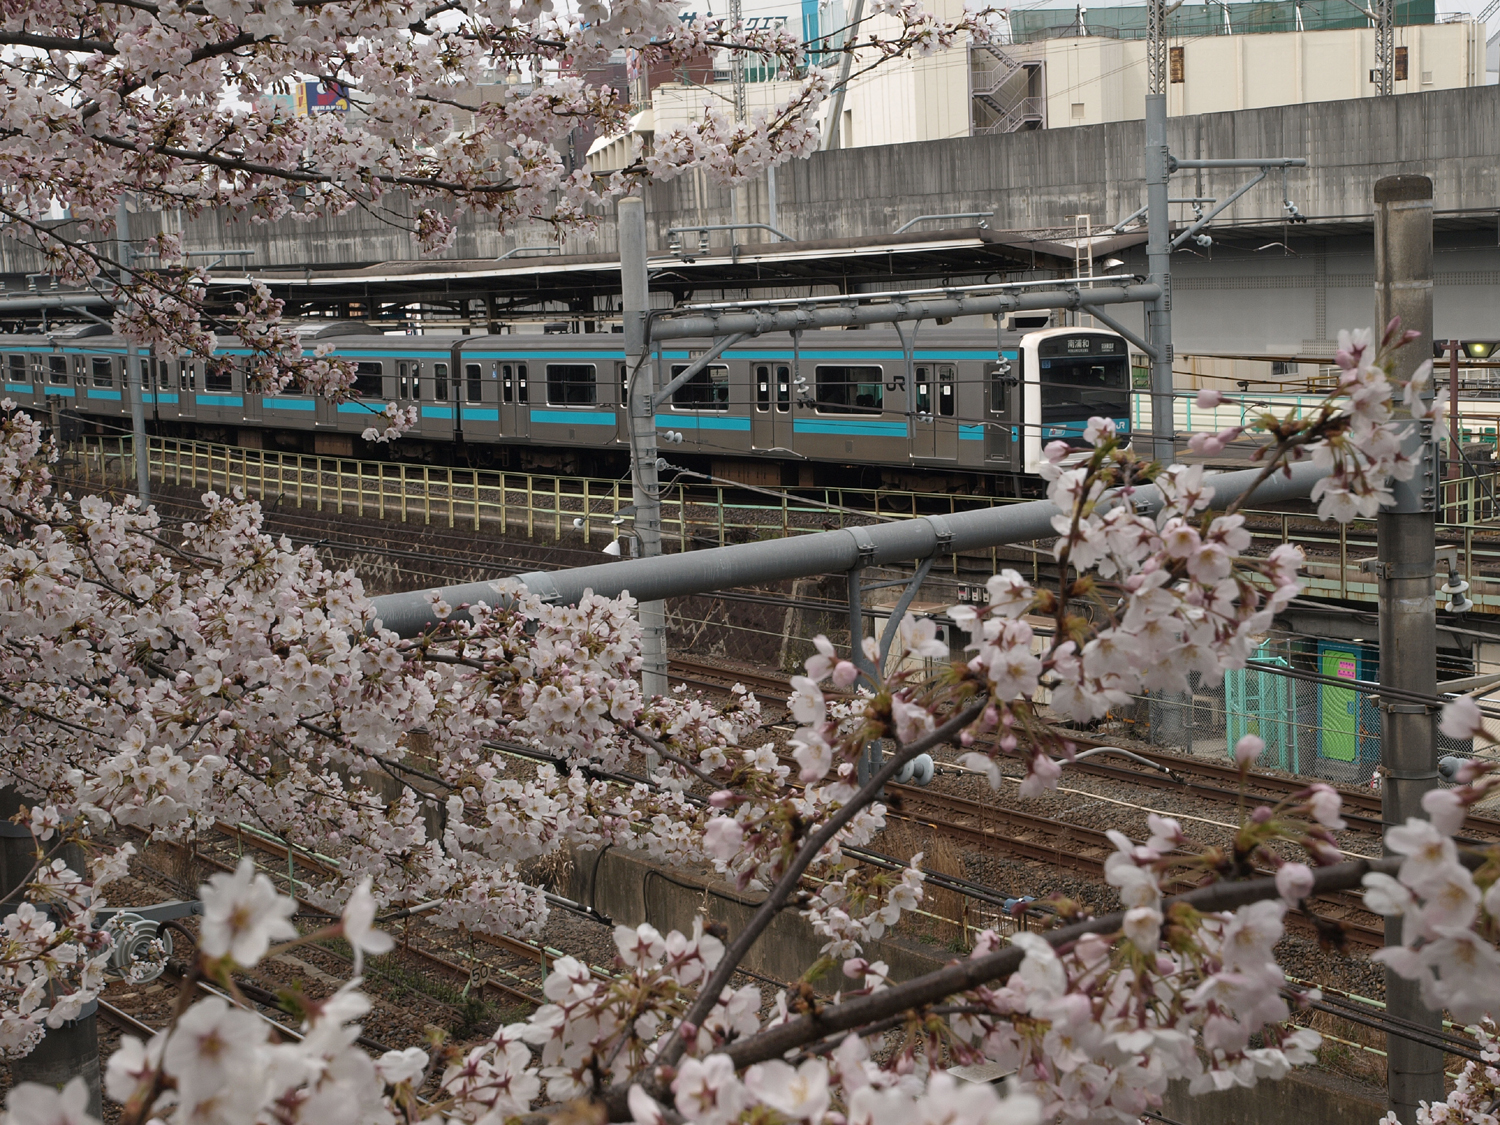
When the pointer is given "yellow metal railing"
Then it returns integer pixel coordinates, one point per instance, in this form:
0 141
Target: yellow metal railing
697 514
511 502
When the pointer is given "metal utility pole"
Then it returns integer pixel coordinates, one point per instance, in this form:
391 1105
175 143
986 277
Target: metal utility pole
1159 272
1408 610
635 294
1385 46
133 380
1156 47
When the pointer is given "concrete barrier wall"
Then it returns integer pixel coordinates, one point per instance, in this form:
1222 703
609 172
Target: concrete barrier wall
1305 1097
1033 179
631 889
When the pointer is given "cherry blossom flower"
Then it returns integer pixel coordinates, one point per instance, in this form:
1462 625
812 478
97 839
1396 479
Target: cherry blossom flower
358 926
243 913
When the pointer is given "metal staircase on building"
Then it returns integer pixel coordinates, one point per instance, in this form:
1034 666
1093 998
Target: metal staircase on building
1009 91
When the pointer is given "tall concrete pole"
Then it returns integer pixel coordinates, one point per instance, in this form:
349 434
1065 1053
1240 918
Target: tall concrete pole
133 380
635 300
1159 270
1408 611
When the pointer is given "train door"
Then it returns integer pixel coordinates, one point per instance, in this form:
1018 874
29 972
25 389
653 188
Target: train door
163 398
1002 390
480 386
409 390
515 400
934 424
187 388
250 400
771 414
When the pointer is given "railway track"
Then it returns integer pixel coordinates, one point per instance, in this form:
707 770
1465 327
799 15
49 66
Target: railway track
1082 849
515 970
1189 774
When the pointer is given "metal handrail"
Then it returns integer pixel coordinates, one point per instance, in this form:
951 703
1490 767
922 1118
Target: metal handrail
729 226
956 215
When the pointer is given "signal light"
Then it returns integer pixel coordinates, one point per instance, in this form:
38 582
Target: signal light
1469 349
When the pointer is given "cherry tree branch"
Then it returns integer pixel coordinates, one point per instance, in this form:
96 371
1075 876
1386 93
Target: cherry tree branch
962 976
709 995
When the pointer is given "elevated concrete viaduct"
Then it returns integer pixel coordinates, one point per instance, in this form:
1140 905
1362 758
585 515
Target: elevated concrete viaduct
1266 286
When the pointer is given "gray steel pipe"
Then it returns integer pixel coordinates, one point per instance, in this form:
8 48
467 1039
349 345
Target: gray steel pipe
758 321
828 552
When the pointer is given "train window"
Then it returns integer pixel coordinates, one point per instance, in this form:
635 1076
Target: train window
57 369
163 374
474 380
707 390
924 390
762 389
368 379
570 384
416 382
440 382
403 387
104 371
507 382
218 375
783 389
945 392
521 382
187 376
623 372
18 370
846 389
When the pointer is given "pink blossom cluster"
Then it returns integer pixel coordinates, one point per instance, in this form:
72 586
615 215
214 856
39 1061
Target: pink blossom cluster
167 682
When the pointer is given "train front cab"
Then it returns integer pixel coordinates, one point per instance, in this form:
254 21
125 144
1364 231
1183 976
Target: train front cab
1069 375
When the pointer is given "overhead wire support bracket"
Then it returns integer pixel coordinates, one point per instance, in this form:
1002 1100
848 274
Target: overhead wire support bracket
1110 322
694 368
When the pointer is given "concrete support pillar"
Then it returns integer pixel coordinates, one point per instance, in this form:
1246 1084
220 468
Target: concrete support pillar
635 295
1408 609
71 1050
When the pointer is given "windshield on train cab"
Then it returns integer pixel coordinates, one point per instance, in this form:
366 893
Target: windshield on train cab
1082 376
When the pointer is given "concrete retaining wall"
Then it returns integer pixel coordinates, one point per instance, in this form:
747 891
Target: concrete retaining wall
631 889
1033 179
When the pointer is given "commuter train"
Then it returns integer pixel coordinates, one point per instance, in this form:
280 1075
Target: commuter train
829 407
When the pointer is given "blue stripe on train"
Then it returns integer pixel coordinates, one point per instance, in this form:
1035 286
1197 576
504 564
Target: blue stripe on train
970 433
850 429
573 417
288 403
114 395
221 400
702 422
